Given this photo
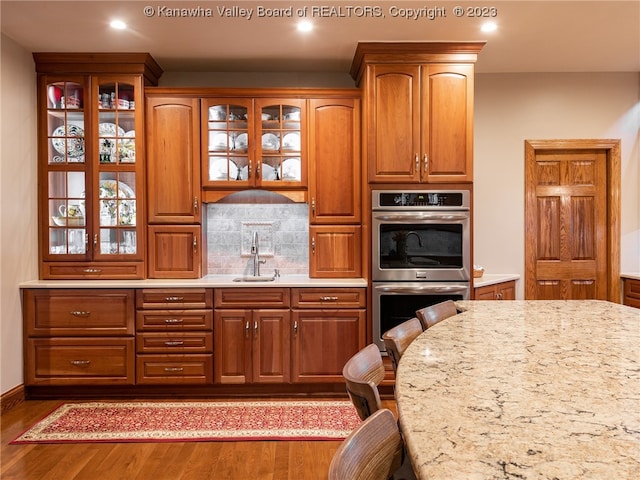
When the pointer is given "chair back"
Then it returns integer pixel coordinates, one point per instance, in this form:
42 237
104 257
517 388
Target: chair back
398 338
433 314
363 373
373 451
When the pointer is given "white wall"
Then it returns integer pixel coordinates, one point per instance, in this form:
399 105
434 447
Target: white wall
18 196
512 108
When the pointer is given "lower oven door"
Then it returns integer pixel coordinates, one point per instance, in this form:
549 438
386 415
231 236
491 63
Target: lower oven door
395 302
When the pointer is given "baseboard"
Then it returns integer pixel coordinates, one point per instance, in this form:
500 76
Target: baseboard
11 399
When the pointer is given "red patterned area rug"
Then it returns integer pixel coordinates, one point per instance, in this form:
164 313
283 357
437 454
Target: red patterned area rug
194 422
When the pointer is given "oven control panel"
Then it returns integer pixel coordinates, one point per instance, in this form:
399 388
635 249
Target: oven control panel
390 199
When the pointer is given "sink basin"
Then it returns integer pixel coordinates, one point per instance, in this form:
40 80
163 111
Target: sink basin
254 279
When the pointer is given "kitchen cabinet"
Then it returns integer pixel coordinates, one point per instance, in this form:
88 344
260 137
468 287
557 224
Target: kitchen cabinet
91 164
418 104
498 291
252 335
335 251
174 336
632 292
79 337
175 249
328 329
252 142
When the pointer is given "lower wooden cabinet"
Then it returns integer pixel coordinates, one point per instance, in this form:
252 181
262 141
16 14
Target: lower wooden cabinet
174 336
498 291
632 292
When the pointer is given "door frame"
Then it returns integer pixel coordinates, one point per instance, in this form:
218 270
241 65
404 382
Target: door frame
612 149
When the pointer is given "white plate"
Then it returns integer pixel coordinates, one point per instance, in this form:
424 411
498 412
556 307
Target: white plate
110 130
268 172
291 141
270 142
128 147
219 141
222 169
291 169
75 140
241 142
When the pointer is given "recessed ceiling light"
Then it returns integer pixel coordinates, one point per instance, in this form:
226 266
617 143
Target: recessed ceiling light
118 24
489 27
305 26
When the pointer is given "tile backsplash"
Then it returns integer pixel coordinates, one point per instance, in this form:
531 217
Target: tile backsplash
283 235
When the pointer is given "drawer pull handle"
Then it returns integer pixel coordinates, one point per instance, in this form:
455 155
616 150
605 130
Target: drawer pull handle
173 343
173 299
174 369
173 320
80 313
329 299
80 363
92 270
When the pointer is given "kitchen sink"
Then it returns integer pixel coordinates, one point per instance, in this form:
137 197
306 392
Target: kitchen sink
254 279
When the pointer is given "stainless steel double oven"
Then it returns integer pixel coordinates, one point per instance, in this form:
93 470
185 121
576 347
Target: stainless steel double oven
421 248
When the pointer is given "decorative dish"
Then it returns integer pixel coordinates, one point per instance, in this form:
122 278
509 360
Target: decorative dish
128 147
222 169
291 169
219 141
241 142
269 172
110 130
114 203
291 141
270 142
74 136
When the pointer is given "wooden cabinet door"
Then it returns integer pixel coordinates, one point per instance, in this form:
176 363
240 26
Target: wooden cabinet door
323 341
393 123
271 346
232 346
334 154
175 251
173 161
335 251
506 290
487 292
447 123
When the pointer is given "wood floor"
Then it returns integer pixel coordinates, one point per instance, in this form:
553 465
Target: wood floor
156 461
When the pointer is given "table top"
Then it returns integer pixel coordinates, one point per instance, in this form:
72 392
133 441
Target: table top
524 389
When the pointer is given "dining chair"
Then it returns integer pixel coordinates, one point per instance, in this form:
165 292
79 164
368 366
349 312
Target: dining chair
373 451
397 339
362 373
433 314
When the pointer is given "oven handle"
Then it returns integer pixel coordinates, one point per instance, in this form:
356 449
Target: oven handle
423 289
393 217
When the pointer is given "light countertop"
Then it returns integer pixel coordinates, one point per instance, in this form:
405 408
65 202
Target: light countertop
524 389
207 282
493 278
631 275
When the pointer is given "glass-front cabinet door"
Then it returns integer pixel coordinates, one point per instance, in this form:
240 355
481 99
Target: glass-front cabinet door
250 143
91 179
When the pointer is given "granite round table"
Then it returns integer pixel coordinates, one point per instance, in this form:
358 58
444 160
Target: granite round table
524 389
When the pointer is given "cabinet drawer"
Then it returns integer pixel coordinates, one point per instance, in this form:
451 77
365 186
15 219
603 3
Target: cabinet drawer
91 271
82 312
68 361
171 320
632 288
172 298
266 297
174 342
328 297
182 369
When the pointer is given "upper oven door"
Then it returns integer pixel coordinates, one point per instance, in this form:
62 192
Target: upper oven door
421 245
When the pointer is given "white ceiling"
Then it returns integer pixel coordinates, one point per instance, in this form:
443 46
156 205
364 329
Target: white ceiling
532 36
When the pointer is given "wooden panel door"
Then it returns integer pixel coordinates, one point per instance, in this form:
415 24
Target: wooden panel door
175 251
271 346
334 154
567 225
335 251
232 346
447 123
173 170
393 123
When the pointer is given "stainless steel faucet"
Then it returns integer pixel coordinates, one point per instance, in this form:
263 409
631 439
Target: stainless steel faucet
255 251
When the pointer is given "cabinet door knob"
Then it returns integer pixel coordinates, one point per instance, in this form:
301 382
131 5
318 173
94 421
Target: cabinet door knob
195 204
195 244
295 327
313 205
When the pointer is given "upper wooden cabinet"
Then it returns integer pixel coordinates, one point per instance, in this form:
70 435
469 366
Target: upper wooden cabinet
418 110
334 158
173 152
91 163
254 143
